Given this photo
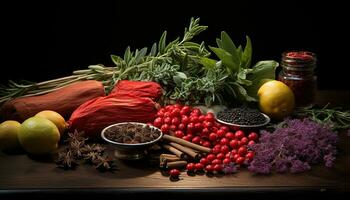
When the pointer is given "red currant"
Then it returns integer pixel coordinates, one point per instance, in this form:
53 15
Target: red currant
240 160
251 142
185 110
218 167
239 134
220 156
173 128
211 157
220 133
216 150
253 136
179 134
158 122
198 126
199 166
187 138
209 117
204 161
205 131
242 151
250 155
226 161
224 141
165 128
175 112
190 127
201 118
244 141
166 114
213 136
233 144
175 121
216 161
174 173
224 128
206 144
185 120
181 127
196 140
225 149
190 167
209 168
167 120
230 135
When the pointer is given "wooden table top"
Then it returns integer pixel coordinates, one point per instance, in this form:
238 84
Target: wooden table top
21 175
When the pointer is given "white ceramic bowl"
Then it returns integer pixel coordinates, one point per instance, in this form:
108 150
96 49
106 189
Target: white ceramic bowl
130 151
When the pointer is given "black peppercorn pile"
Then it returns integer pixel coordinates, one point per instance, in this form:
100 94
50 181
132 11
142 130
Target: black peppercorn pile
242 116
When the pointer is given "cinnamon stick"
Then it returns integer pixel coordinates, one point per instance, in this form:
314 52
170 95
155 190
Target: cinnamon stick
175 151
176 164
186 143
187 150
169 157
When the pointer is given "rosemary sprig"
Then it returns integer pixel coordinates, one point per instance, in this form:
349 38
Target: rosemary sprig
131 66
335 117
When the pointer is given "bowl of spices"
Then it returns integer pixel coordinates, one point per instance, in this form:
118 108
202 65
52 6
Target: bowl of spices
131 139
243 118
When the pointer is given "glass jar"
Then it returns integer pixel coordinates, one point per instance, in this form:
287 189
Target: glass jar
298 73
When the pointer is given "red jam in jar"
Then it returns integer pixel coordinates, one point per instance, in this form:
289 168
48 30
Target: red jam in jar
298 73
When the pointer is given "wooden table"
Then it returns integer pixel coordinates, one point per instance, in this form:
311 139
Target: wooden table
21 176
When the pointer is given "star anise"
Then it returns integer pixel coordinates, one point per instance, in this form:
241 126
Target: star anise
94 147
91 156
66 160
77 148
103 163
76 136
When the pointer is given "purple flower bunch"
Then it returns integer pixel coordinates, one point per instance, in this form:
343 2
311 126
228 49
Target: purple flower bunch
294 148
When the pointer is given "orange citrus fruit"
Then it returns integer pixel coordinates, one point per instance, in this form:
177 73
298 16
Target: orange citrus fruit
54 117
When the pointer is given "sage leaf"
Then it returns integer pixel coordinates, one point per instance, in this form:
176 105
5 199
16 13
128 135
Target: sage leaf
219 43
242 93
261 72
247 54
117 60
208 63
227 60
162 41
227 43
140 54
153 51
127 55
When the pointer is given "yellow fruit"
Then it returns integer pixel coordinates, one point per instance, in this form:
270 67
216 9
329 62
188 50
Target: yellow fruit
276 99
38 135
8 135
54 117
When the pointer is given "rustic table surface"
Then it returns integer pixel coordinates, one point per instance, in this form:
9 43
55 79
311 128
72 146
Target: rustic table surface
24 176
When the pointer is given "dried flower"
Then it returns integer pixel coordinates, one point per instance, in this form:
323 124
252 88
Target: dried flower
103 163
294 148
66 160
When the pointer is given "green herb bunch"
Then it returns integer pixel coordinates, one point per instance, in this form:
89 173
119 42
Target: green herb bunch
181 66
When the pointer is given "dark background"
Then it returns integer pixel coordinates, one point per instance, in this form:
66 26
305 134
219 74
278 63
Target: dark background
42 41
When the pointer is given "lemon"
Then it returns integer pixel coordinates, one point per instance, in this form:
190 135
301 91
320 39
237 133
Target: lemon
276 99
9 135
54 117
39 135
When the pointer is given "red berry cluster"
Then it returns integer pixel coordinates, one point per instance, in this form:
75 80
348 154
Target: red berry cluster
228 146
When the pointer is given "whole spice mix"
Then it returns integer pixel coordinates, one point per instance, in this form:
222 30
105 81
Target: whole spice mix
131 133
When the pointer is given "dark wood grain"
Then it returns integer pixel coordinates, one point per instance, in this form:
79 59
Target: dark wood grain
20 174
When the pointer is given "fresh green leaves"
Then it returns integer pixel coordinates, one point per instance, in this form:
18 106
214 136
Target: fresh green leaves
227 59
262 72
247 54
244 81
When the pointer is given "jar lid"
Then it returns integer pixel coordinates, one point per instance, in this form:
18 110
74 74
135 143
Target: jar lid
299 60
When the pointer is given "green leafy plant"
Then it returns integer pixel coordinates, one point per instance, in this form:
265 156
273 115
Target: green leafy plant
244 80
183 68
